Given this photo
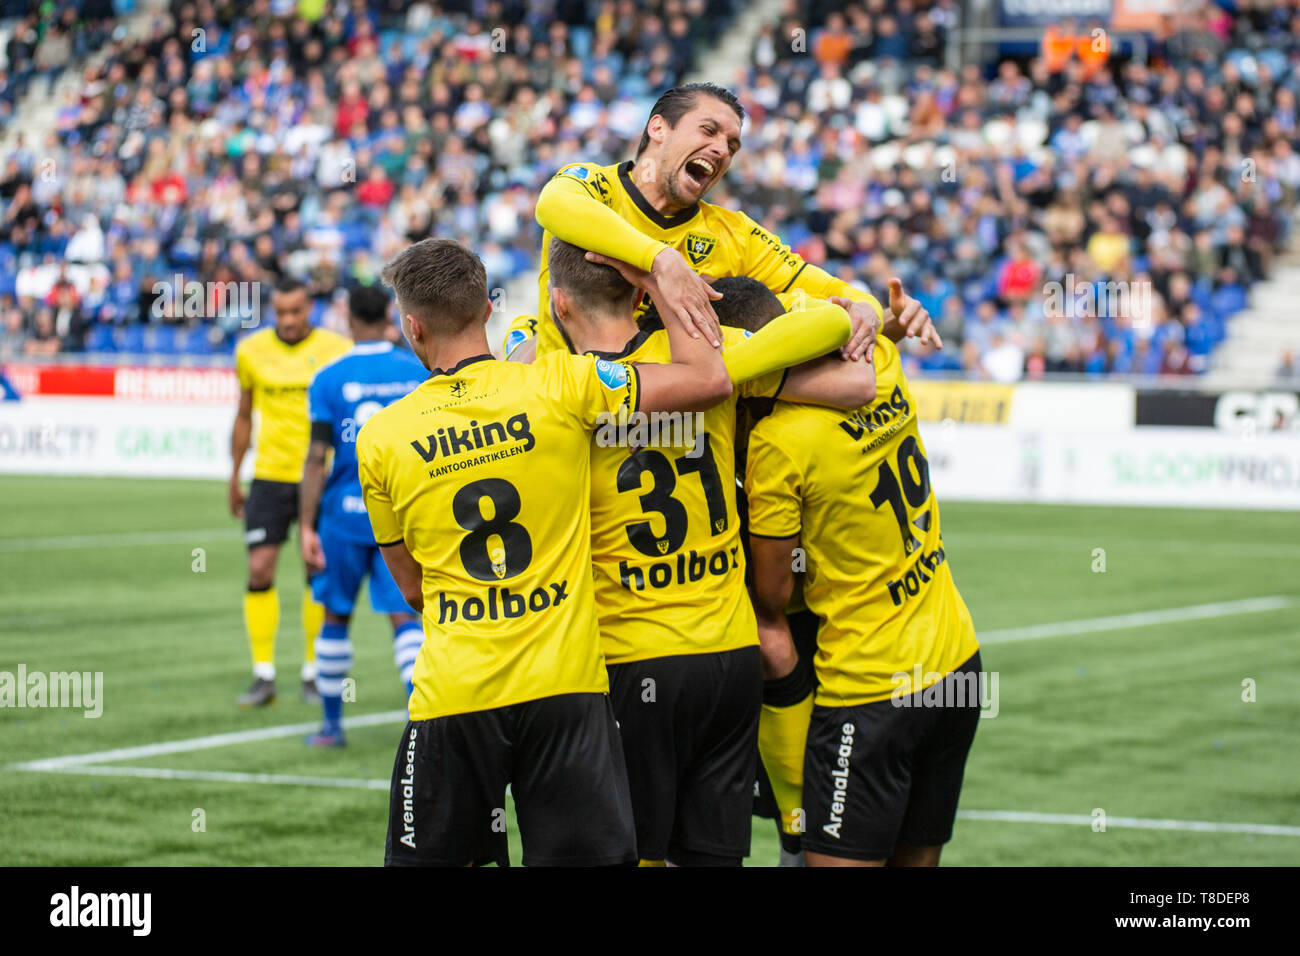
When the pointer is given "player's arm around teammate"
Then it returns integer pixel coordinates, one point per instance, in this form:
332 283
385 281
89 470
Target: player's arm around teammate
633 211
510 685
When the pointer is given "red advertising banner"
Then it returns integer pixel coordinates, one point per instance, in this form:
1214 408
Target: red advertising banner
205 385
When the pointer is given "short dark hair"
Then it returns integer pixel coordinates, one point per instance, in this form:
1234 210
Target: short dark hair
368 304
286 284
746 303
440 282
592 285
673 104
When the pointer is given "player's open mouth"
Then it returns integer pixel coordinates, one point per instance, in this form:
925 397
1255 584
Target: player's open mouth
699 171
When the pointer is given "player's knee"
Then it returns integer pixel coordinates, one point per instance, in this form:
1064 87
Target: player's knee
907 855
261 568
260 581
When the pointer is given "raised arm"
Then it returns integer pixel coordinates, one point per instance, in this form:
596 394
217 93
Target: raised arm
833 382
904 317
797 336
568 207
695 379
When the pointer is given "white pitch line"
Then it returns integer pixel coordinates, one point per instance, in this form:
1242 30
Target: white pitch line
995 816
204 743
972 539
1119 622
221 776
1133 823
116 539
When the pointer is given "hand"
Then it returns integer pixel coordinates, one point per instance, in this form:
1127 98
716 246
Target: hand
865 328
236 497
313 555
907 317
686 297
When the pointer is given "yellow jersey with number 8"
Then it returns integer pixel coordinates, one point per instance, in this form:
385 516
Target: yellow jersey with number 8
484 473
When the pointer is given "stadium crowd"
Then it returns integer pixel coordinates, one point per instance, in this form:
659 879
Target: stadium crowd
242 143
1011 205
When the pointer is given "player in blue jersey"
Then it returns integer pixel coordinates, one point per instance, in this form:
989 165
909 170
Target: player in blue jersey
341 551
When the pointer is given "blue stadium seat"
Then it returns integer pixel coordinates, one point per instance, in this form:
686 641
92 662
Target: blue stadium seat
196 341
162 339
130 338
100 338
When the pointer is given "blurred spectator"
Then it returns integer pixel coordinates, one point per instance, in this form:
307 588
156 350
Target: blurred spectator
1150 197
308 139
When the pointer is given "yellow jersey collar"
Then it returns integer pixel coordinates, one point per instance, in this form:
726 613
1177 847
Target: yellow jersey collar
649 211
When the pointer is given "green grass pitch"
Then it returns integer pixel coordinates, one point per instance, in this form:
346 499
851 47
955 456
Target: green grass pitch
1144 722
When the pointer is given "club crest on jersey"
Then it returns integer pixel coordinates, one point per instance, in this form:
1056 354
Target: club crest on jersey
498 557
594 180
611 374
457 389
720 526
662 546
698 247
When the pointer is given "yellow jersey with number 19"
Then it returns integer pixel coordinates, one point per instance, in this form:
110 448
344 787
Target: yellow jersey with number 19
278 375
484 473
855 488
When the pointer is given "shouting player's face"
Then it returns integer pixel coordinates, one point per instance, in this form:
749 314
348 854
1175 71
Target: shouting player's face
292 310
695 153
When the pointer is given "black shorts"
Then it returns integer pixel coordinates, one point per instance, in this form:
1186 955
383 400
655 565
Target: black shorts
876 775
271 507
563 761
690 734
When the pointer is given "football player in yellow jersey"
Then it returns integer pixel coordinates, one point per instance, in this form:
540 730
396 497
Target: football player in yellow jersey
676 623
275 366
897 662
650 212
478 489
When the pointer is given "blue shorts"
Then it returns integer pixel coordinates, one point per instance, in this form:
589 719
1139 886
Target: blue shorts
347 562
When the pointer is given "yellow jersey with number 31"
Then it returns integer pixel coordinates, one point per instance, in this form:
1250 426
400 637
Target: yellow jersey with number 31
666 550
855 488
484 473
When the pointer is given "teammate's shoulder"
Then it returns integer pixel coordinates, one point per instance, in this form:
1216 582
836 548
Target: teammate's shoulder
520 331
731 335
887 357
598 180
733 219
